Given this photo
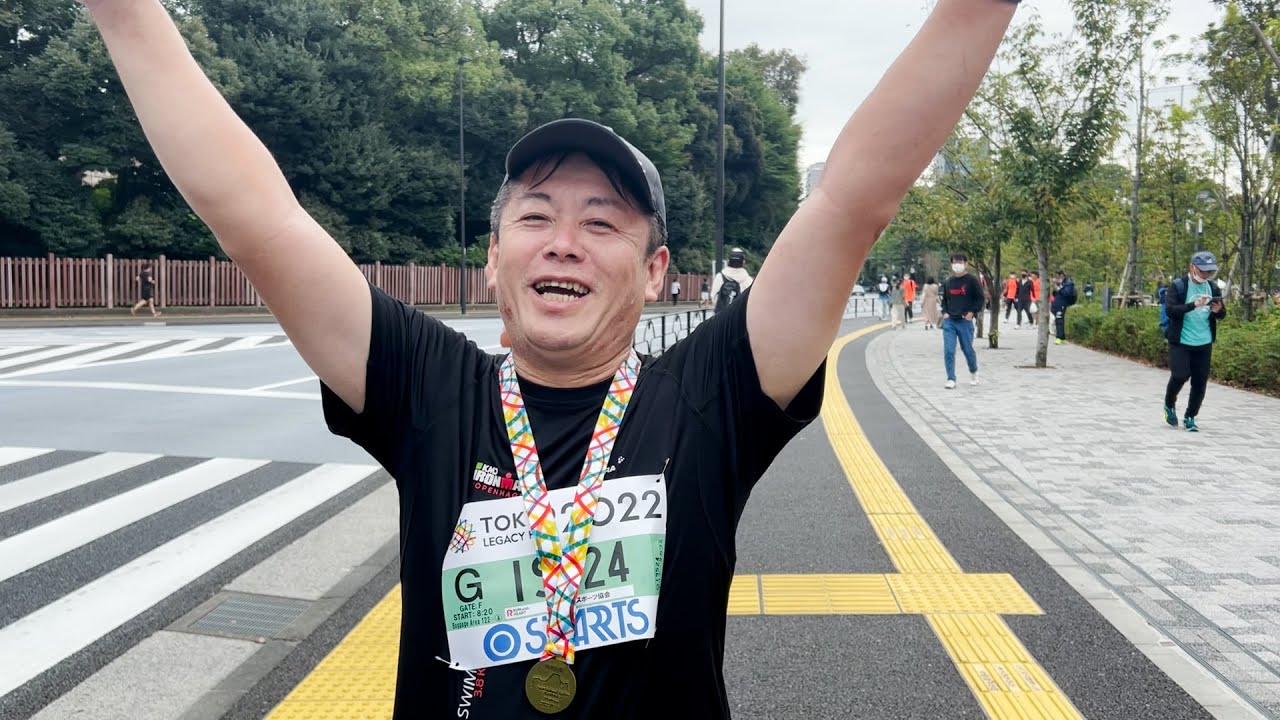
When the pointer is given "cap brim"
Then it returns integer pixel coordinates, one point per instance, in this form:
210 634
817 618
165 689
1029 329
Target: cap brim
574 134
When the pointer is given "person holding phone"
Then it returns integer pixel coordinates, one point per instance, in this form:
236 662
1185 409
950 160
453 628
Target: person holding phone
1194 305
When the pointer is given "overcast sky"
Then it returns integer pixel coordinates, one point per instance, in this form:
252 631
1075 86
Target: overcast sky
848 45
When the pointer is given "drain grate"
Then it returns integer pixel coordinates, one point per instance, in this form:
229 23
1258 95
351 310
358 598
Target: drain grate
250 616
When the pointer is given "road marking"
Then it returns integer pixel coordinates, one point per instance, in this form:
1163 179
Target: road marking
47 636
286 383
11 455
87 358
144 387
1002 675
51 354
14 349
66 477
46 542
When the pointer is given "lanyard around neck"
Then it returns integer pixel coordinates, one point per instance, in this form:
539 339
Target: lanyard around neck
562 563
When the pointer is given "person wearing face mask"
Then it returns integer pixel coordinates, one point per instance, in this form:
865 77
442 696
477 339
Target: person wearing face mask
1194 306
961 303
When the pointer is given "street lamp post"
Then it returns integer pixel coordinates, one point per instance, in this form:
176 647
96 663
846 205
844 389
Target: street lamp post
720 152
462 199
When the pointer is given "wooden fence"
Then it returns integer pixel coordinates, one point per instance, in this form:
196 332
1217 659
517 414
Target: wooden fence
111 282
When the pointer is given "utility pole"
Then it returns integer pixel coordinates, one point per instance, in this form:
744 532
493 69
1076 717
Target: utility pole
720 146
462 200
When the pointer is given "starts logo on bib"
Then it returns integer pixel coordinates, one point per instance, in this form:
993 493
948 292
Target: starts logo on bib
464 537
489 479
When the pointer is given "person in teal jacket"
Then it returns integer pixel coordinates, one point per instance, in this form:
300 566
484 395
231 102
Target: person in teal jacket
1194 305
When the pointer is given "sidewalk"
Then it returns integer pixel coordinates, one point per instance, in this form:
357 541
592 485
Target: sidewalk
1184 528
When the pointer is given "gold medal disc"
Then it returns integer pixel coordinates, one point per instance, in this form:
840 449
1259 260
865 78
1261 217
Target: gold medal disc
550 685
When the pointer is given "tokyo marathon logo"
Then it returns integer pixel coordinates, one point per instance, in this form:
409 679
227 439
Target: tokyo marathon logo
464 537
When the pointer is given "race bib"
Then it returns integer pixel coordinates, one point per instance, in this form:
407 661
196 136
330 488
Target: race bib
495 609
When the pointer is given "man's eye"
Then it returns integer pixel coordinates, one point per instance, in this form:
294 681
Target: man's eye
600 224
534 217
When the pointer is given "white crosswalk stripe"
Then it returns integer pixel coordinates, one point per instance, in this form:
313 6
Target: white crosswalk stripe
20 360
54 628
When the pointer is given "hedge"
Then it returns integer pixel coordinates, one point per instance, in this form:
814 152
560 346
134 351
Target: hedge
1246 355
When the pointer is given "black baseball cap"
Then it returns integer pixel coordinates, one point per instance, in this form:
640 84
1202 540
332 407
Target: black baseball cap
600 141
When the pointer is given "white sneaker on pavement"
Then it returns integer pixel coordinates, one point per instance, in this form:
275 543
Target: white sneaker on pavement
973 379
951 385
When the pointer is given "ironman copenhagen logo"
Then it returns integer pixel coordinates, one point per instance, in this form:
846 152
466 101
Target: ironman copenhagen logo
464 537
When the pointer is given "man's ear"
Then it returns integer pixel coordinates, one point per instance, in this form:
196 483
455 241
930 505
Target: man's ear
657 269
491 266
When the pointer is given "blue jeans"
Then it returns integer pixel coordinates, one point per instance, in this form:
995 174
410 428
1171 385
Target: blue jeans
961 330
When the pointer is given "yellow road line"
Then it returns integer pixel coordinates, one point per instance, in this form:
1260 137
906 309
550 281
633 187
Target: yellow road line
1003 676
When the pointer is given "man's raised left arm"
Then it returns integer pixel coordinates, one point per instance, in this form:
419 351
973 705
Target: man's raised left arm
799 297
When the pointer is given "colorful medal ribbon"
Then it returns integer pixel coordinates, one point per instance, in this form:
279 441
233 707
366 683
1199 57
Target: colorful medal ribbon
562 564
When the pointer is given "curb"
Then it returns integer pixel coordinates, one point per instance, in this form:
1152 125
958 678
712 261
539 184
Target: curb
1202 684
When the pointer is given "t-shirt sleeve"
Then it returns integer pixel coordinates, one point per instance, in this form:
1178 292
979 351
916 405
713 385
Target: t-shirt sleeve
415 370
717 373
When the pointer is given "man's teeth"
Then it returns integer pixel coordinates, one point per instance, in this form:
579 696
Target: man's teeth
574 290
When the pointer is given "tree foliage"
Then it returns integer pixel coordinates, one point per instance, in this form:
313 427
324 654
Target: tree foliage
358 100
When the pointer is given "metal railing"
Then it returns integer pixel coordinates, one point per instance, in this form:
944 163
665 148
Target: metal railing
656 333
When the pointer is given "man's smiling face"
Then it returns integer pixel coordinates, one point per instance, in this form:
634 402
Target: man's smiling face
570 262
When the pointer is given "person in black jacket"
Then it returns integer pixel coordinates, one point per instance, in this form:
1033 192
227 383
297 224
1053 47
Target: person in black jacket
1194 306
961 303
1064 296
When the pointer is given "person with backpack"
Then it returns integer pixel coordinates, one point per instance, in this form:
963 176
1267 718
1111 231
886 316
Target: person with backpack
1064 296
732 281
1192 307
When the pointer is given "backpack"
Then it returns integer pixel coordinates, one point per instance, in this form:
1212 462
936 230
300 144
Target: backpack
1164 315
729 291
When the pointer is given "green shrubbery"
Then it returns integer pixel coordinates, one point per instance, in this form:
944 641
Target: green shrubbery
1246 354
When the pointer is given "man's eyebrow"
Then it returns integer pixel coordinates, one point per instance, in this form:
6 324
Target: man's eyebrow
535 195
602 201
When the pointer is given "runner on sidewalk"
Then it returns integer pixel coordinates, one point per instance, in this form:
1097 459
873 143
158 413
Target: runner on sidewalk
1194 305
1011 296
909 296
497 505
961 303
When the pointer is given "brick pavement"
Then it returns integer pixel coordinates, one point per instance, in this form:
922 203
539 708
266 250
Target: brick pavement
1184 527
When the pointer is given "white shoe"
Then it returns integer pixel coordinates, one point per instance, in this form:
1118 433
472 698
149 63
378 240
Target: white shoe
973 379
951 385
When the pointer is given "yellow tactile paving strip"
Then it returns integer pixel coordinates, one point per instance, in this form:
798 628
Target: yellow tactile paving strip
963 610
357 680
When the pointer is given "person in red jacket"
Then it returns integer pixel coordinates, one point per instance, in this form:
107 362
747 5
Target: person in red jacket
1010 294
908 295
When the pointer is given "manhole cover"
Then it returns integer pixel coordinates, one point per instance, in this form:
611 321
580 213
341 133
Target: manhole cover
249 616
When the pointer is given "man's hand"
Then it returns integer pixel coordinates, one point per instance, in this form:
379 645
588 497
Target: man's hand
1201 300
968 316
1216 306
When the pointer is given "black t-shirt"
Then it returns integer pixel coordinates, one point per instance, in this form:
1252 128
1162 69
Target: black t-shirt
698 423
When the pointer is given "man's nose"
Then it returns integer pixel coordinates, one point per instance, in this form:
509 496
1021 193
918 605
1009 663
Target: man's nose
565 242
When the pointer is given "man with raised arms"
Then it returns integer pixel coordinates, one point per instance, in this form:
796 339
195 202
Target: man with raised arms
579 588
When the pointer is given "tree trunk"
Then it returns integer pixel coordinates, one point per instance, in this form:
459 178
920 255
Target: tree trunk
1131 267
1042 312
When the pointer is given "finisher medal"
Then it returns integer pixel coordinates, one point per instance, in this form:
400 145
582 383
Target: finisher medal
550 686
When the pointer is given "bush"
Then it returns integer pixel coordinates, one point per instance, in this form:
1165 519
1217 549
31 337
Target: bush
1245 354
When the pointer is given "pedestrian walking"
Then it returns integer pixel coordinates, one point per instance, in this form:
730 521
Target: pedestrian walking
1010 295
1193 305
898 300
704 294
675 292
885 290
497 504
1064 296
932 304
1026 291
961 302
909 297
146 291
732 281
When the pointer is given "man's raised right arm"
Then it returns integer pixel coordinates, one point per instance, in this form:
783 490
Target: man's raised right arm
231 181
